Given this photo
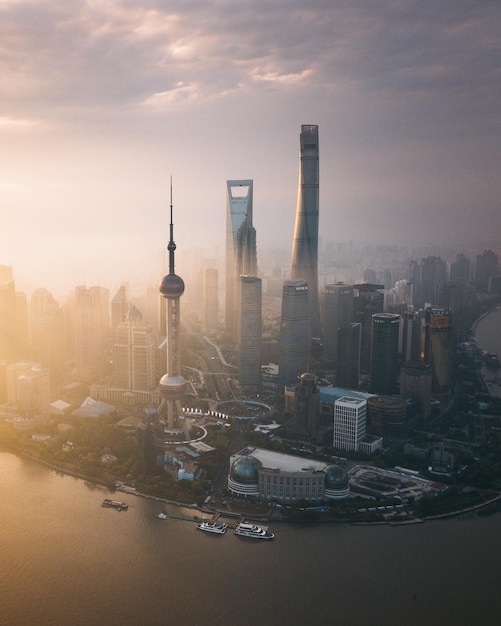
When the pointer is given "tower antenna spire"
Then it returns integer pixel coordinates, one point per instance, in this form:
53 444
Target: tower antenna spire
171 246
171 204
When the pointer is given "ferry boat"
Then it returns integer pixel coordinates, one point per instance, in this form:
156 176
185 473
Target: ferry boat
119 506
212 527
253 531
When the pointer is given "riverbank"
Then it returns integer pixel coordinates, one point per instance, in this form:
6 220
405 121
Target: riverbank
487 331
247 510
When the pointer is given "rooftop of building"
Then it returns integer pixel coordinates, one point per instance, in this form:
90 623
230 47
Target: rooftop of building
351 400
93 408
370 438
60 405
283 462
331 394
388 401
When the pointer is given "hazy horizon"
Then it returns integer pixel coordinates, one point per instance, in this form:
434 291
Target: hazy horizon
102 102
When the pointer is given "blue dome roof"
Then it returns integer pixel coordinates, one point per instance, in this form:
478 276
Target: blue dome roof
245 470
335 477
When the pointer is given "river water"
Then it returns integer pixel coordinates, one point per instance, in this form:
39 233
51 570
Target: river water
488 336
488 332
65 560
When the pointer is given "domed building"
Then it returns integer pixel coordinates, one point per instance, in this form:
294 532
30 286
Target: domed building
272 476
244 476
336 485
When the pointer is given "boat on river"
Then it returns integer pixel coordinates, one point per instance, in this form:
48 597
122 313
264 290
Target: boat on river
162 515
213 527
119 506
253 531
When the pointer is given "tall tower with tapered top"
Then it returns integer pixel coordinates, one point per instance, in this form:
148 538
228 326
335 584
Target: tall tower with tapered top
172 384
304 261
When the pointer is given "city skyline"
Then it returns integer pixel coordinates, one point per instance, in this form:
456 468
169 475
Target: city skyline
103 102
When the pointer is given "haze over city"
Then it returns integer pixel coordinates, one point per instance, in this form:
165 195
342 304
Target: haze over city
101 102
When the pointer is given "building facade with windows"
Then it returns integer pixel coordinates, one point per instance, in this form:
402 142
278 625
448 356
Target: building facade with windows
384 353
249 332
350 416
283 478
304 258
295 337
338 306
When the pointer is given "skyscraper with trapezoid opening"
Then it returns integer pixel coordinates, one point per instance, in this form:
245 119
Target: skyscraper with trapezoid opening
238 210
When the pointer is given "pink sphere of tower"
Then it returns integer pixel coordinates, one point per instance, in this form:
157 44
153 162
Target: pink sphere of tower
171 286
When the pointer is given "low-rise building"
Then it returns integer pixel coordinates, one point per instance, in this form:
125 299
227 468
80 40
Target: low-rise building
283 478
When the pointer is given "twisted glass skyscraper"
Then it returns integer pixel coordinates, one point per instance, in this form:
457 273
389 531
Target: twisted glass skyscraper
304 261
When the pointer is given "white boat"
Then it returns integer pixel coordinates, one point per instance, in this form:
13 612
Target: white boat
253 531
162 515
212 527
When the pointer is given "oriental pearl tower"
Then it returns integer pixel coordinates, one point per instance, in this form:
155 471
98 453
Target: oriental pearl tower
172 384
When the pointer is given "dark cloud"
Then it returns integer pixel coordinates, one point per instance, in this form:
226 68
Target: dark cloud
406 94
72 54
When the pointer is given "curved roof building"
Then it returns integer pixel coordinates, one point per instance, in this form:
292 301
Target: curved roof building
244 476
272 476
336 485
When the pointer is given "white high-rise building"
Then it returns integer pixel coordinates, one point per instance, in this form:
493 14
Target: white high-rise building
350 416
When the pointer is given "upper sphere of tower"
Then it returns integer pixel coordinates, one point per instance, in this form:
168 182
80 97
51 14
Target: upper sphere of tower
172 286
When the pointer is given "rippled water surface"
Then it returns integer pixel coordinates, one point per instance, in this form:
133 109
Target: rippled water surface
66 560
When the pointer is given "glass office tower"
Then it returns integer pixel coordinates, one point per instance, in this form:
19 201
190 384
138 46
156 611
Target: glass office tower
304 261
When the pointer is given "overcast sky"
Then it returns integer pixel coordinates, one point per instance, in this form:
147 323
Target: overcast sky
102 101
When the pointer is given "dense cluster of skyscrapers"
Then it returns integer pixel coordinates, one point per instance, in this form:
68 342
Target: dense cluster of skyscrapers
387 334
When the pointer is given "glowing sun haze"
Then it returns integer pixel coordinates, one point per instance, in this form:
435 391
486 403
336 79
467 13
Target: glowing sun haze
102 101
